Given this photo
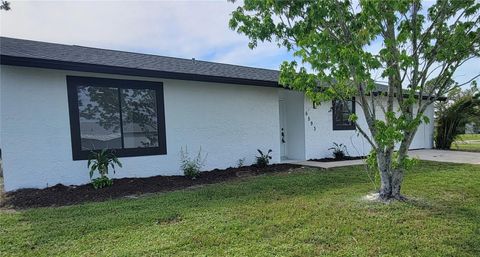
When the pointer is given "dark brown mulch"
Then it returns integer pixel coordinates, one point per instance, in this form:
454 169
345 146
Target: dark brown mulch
60 195
346 158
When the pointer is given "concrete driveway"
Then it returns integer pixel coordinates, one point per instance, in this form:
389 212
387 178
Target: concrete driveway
446 156
426 154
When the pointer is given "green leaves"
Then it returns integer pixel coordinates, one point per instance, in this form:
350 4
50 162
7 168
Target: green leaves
101 161
418 53
191 166
353 117
310 30
453 115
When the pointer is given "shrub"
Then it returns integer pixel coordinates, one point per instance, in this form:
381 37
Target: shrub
339 151
240 162
264 159
101 182
101 161
191 167
453 115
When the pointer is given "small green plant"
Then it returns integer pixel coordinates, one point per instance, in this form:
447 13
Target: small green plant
101 182
241 162
191 167
339 151
264 159
101 161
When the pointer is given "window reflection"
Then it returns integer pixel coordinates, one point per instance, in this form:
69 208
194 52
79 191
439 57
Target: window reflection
139 118
99 118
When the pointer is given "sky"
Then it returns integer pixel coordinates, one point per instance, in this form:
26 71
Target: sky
187 29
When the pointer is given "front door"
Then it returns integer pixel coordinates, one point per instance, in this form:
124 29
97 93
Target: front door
283 129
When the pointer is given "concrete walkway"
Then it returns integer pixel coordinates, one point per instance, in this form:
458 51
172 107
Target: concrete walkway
327 165
446 156
427 155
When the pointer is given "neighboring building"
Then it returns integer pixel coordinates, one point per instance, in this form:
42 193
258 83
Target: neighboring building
57 102
472 128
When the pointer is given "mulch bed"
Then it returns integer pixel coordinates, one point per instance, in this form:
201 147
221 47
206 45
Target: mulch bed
60 195
346 158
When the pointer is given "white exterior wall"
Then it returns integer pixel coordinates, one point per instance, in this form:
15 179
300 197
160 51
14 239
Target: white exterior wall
424 136
319 133
229 122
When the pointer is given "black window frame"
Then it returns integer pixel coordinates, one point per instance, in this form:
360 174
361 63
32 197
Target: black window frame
73 82
342 126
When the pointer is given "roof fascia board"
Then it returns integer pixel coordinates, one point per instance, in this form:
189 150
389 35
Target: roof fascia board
86 67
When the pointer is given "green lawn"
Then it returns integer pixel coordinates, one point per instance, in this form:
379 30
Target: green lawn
467 142
471 147
305 213
469 137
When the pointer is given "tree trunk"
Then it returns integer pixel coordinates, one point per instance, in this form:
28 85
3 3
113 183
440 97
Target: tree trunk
385 177
397 179
391 179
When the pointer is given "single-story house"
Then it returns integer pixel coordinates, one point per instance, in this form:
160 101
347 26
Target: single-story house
58 102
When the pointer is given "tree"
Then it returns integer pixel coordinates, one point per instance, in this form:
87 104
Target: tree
421 48
5 5
452 116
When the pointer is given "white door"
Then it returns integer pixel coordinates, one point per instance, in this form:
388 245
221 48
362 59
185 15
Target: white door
283 129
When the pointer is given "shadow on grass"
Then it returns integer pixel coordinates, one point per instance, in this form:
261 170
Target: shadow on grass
61 223
469 240
56 227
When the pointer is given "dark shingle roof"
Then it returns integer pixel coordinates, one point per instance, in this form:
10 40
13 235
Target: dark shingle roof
71 57
21 52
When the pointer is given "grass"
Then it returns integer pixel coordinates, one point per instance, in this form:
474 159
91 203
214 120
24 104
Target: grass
467 142
470 147
305 213
469 137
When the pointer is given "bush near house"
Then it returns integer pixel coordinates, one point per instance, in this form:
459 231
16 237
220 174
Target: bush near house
191 166
100 161
339 151
453 115
264 158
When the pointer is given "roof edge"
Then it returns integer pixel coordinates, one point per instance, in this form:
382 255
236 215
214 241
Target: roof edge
137 53
440 98
107 69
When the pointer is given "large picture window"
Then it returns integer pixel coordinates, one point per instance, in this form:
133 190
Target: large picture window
124 116
341 113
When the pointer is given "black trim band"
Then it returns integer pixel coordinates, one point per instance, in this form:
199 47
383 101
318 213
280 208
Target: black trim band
86 67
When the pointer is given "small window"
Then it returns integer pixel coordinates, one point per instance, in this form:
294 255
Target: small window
125 116
341 112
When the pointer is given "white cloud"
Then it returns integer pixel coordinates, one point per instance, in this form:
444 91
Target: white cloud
182 29
188 29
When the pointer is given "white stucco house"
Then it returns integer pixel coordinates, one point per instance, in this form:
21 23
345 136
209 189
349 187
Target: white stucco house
57 102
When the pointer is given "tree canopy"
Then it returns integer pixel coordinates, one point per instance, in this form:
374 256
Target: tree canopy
420 49
5 5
